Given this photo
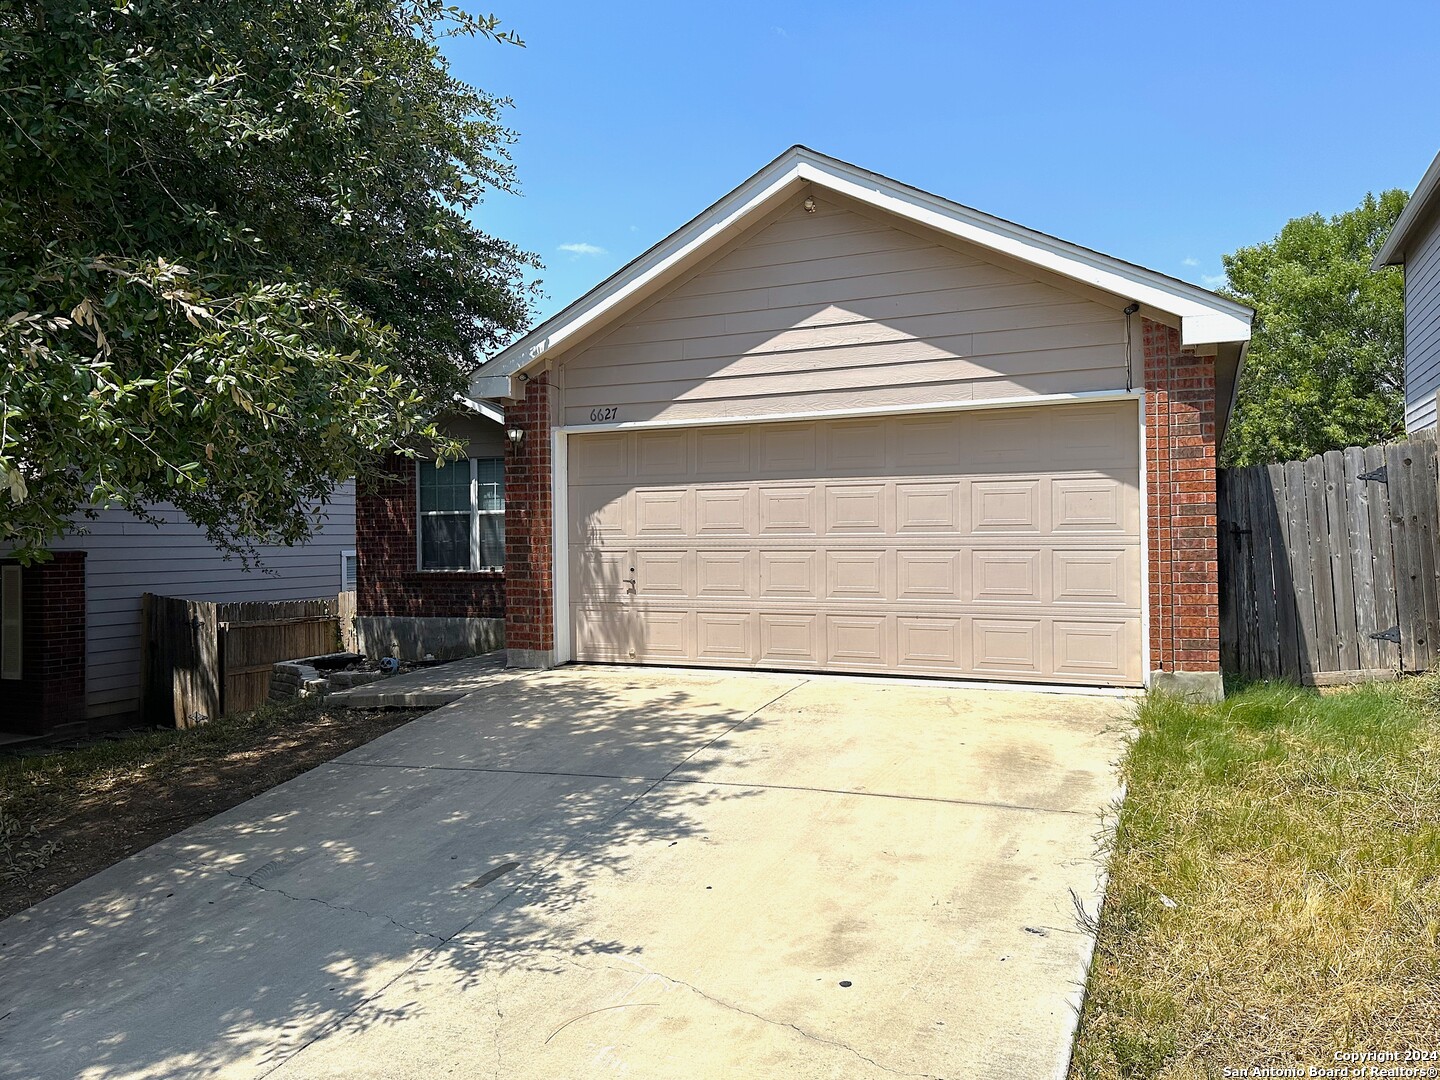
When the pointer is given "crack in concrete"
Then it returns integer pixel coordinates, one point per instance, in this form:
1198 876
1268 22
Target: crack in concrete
811 1036
249 879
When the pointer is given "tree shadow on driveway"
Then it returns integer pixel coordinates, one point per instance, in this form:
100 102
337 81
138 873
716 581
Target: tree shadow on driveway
230 947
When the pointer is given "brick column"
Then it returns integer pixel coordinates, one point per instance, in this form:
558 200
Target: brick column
49 697
529 532
1184 585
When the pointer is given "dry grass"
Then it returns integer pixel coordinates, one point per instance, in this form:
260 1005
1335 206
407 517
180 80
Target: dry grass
1298 837
72 812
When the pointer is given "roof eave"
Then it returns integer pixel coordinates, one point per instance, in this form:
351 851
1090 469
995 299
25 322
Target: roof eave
1204 317
1392 252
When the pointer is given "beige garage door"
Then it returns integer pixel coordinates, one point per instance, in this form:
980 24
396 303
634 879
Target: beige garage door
998 545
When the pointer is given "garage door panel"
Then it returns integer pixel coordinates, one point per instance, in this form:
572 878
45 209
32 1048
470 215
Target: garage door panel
1094 649
658 453
725 511
1095 577
1091 504
928 443
1007 646
857 574
788 510
599 513
999 545
663 573
858 641
928 575
1005 506
785 449
664 635
722 453
854 447
930 644
601 574
790 575
789 638
725 636
663 512
856 509
928 508
1006 576
606 457
725 573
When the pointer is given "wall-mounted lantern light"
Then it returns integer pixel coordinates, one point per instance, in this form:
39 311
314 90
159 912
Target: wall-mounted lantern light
516 436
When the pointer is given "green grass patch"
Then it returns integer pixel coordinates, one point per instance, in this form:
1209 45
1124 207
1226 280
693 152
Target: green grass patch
1274 890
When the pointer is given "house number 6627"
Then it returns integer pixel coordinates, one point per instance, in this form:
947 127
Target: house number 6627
610 412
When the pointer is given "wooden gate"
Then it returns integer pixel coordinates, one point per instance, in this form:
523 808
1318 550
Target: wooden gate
1327 566
202 660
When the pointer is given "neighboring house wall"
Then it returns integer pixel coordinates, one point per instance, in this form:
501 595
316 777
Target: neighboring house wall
1422 325
401 609
843 309
128 557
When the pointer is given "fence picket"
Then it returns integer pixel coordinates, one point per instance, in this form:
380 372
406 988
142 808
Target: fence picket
1320 556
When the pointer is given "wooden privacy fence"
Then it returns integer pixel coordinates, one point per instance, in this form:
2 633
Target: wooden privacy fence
1328 567
201 660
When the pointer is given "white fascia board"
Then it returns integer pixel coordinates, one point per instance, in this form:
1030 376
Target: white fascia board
1204 317
1392 252
485 408
634 279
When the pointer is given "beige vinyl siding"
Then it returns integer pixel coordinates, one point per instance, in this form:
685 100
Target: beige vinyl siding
1422 329
838 310
126 557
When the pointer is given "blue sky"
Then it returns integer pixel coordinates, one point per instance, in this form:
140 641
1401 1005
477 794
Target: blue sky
1164 134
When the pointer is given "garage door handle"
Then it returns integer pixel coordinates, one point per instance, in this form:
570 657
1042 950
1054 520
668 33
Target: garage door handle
631 582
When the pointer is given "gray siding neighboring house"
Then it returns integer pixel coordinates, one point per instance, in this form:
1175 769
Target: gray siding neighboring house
1415 244
126 557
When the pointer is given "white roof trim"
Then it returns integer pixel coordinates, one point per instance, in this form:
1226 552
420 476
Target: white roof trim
484 408
1205 317
1392 252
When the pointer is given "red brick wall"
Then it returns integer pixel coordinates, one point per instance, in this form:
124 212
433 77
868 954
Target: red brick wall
1180 474
529 539
388 581
50 696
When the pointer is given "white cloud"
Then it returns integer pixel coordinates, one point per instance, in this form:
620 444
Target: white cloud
582 248
1189 260
1212 281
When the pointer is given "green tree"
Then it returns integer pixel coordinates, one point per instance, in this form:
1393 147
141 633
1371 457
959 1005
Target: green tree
236 257
1326 367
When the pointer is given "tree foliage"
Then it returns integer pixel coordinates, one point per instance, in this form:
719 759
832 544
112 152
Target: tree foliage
1326 367
238 260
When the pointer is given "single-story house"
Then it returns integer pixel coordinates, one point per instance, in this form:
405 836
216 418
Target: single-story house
836 423
1414 243
70 638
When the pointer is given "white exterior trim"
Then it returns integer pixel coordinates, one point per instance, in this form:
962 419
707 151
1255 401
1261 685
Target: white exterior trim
487 409
560 545
1144 548
1204 317
860 411
564 646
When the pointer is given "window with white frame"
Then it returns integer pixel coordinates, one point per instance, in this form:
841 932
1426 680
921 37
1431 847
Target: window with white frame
462 514
349 571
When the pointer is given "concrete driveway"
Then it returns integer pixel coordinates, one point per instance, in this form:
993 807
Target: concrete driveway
599 872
